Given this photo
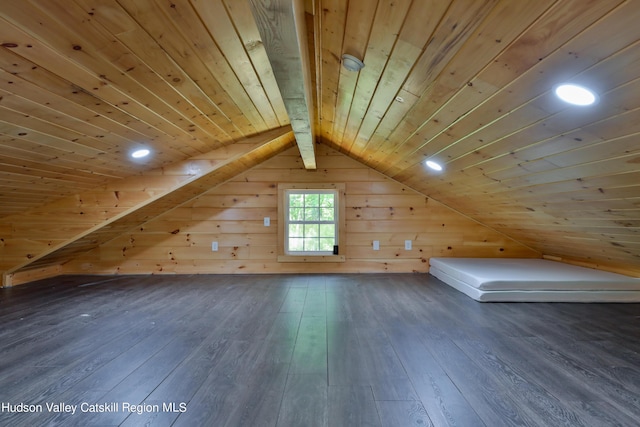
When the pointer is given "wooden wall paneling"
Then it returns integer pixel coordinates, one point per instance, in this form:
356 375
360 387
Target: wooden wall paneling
376 209
386 213
468 83
274 175
242 188
192 178
387 200
228 201
30 275
217 213
223 171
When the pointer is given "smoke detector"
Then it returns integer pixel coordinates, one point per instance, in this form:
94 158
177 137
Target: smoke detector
352 63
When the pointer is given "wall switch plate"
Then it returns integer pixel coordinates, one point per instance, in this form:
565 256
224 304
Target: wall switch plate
407 245
376 245
267 221
214 246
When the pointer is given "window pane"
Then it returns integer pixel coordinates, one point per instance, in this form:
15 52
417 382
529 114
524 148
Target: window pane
311 244
296 214
327 230
311 214
296 200
326 244
311 223
326 200
312 200
326 214
296 230
311 230
296 244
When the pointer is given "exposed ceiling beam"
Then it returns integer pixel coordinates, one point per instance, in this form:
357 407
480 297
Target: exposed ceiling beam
56 232
283 31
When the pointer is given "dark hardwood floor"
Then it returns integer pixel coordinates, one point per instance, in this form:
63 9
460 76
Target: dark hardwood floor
316 350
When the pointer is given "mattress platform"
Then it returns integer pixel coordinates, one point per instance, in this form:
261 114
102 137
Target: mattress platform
533 280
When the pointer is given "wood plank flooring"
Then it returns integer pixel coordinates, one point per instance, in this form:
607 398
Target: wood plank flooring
309 350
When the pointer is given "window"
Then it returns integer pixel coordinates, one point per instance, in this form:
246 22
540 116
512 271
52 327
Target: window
311 222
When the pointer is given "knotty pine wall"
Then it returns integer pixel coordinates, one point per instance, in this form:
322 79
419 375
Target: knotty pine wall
377 208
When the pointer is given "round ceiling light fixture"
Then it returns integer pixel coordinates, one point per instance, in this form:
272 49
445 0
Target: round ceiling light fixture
352 63
575 94
433 165
138 154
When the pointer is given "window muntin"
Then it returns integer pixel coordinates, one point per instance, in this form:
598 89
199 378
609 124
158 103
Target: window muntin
311 222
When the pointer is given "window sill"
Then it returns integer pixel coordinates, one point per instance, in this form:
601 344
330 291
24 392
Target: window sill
311 258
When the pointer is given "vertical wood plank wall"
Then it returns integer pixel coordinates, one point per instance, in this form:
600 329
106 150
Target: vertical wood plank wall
377 208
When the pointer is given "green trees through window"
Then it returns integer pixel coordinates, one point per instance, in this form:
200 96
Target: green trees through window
311 221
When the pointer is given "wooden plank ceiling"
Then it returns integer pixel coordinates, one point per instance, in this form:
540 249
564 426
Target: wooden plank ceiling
468 83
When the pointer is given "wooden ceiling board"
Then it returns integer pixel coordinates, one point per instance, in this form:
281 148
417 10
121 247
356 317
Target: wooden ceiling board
386 25
331 24
92 48
429 114
87 220
50 92
467 82
356 36
512 86
247 30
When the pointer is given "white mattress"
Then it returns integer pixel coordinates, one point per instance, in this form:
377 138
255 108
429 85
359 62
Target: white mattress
500 279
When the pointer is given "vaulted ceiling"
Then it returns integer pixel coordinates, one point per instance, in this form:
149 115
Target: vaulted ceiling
213 87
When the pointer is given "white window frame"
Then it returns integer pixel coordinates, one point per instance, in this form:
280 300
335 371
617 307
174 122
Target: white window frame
287 220
284 255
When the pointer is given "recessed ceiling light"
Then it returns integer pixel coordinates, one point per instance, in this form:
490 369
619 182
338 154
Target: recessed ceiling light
433 165
138 154
576 95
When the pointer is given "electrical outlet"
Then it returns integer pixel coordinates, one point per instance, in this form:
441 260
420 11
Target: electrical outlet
376 245
407 245
214 246
267 221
